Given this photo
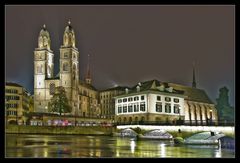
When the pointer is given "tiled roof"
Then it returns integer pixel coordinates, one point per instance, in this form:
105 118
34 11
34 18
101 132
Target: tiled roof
155 85
193 94
87 85
13 84
120 88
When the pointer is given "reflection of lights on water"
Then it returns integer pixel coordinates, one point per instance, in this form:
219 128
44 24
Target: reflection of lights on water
45 152
117 153
162 150
98 153
133 145
218 153
91 152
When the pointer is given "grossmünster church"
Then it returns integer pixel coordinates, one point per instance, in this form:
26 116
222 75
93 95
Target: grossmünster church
82 95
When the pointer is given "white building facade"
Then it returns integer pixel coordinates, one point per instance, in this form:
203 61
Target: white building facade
164 103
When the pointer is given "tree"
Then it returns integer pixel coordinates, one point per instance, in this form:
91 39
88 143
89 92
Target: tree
59 102
225 111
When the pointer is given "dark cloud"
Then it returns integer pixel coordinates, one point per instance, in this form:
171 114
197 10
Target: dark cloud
129 44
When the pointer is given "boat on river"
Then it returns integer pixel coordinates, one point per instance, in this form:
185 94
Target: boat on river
203 138
156 134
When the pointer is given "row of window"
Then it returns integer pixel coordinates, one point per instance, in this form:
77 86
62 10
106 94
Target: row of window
167 108
106 96
11 91
12 98
135 108
132 108
11 112
136 98
11 105
168 99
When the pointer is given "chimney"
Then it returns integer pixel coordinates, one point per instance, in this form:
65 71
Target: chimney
126 90
138 88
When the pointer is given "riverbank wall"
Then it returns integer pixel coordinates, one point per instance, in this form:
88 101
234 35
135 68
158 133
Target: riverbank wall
61 130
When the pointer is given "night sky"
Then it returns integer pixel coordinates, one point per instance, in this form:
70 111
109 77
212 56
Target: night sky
130 44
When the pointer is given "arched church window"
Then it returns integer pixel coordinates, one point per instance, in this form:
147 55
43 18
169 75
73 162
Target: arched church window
52 88
39 69
65 67
65 39
70 39
74 72
40 42
45 41
49 71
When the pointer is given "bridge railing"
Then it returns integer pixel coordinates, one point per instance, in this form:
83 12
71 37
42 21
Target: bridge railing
179 122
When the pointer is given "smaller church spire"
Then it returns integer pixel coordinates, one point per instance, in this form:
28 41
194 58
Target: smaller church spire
69 22
44 26
88 76
194 84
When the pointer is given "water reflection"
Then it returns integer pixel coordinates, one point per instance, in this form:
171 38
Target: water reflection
104 146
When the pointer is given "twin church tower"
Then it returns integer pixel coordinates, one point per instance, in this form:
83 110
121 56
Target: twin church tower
68 77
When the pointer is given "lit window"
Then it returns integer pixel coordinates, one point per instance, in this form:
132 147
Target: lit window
119 109
142 106
176 109
124 109
168 99
136 98
176 100
158 107
168 108
136 108
130 109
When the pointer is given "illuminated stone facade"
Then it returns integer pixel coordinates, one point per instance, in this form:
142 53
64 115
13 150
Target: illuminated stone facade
82 96
17 101
107 101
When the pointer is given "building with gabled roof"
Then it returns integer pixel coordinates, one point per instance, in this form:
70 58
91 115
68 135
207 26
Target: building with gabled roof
163 103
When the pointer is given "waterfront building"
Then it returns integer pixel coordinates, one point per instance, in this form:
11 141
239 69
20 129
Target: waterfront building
17 101
164 103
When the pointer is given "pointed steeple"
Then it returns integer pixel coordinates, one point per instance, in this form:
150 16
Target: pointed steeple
88 79
194 84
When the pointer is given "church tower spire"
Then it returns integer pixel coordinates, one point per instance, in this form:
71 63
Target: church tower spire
88 79
194 84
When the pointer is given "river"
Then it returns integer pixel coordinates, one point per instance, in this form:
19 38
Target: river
72 146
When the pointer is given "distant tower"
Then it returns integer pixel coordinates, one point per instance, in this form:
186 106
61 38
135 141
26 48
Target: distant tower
88 79
43 69
69 71
194 84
